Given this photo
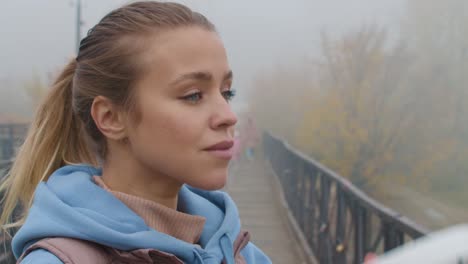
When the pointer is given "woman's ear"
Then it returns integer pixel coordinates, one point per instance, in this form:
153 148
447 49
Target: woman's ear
109 119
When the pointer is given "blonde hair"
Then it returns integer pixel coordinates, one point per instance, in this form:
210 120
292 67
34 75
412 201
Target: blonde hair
63 131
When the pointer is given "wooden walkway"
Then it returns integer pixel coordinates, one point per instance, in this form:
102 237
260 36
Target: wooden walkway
251 186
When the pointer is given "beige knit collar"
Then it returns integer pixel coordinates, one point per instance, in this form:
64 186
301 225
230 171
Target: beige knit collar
180 225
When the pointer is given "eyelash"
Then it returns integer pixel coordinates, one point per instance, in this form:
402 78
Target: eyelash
195 97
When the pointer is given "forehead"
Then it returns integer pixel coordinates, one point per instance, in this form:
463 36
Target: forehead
178 51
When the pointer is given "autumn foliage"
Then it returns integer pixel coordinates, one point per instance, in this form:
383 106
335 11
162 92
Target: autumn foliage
379 107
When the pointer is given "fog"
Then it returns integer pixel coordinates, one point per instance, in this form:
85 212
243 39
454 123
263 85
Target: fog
37 37
374 89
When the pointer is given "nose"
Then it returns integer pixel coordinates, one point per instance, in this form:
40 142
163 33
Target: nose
223 116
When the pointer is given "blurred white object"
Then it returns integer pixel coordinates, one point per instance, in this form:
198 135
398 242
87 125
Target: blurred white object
448 246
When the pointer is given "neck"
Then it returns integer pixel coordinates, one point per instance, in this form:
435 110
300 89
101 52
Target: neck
123 173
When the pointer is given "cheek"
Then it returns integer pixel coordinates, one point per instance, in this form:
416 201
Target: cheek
172 128
169 142
164 119
167 132
166 139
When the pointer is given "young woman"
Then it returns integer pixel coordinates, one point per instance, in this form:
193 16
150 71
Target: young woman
124 156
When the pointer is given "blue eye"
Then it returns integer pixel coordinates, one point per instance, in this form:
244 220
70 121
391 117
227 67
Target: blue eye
193 98
229 94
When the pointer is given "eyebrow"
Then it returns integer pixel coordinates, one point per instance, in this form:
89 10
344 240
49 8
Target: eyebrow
200 76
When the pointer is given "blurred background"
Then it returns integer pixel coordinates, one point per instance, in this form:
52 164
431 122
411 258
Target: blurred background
375 90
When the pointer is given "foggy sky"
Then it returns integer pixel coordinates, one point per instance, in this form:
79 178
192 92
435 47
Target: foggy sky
38 36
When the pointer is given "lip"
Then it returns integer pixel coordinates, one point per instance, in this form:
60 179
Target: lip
223 149
223 145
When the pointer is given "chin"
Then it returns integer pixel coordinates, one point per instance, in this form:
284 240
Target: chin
212 182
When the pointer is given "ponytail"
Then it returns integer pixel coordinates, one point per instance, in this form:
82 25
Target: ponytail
55 138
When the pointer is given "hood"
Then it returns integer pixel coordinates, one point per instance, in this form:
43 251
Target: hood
70 204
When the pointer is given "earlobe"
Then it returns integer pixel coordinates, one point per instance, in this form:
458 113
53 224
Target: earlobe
108 118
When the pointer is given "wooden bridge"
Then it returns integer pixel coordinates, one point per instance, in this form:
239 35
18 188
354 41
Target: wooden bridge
263 211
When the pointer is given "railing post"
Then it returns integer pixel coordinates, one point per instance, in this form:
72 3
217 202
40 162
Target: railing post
324 240
359 234
290 182
367 222
301 193
293 179
312 213
401 237
392 237
340 247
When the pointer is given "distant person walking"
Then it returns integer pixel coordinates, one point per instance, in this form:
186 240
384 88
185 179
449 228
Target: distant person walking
250 138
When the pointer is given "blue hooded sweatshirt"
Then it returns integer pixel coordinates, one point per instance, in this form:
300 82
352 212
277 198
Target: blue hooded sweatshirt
70 204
